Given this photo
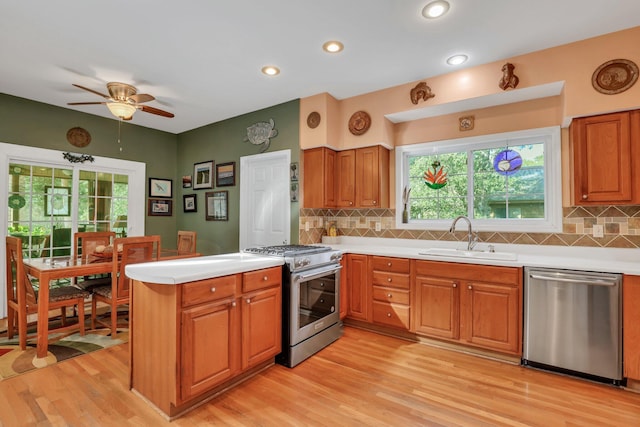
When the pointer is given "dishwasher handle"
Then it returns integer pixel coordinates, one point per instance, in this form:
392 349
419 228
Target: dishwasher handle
585 280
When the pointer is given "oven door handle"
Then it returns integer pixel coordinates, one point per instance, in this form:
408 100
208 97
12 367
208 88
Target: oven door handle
317 273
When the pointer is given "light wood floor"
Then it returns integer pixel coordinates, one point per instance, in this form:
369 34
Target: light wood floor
364 379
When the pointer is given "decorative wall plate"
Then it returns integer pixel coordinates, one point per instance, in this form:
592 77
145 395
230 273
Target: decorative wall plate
313 120
359 122
78 137
614 76
466 122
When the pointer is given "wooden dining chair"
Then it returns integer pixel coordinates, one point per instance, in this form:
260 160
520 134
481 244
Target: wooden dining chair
126 250
85 244
186 242
22 296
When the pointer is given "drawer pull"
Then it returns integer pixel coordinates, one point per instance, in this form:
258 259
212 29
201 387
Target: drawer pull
321 300
322 284
389 264
248 300
233 304
213 290
389 295
265 278
455 285
470 287
389 280
388 314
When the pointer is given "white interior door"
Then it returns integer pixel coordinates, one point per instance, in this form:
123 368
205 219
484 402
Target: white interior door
265 211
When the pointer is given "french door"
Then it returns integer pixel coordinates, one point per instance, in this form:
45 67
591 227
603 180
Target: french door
49 199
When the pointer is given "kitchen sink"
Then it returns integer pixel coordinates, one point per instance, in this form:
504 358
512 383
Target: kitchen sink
461 253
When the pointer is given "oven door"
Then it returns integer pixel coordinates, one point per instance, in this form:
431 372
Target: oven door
315 295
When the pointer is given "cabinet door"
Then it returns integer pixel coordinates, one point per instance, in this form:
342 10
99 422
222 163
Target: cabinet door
602 159
210 346
357 287
490 316
631 326
319 178
346 178
372 177
437 307
261 326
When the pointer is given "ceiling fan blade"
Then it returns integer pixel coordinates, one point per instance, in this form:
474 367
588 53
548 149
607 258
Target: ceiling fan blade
157 111
92 91
85 103
141 97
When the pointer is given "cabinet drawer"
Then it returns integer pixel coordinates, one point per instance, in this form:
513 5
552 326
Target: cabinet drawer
395 315
261 279
382 278
394 265
209 290
390 295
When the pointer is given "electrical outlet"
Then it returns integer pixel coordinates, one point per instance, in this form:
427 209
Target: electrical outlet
378 226
320 222
598 230
306 226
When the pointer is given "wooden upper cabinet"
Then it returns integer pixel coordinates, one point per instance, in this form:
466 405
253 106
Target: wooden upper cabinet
346 179
372 177
319 178
604 159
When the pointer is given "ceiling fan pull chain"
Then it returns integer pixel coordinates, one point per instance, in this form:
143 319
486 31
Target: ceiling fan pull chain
119 124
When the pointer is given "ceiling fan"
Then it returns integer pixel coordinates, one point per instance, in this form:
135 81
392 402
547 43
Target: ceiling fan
123 100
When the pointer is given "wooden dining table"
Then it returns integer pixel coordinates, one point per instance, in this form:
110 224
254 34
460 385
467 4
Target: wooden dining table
53 268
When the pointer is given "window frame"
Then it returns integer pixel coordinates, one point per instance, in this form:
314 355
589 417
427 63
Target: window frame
552 222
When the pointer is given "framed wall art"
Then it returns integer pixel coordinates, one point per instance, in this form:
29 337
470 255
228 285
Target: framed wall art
190 202
203 175
57 201
226 174
186 181
160 187
217 206
160 207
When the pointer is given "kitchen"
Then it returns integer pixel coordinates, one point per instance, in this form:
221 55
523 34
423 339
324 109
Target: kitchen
291 120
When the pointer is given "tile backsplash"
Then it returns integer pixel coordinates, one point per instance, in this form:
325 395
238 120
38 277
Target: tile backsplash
621 226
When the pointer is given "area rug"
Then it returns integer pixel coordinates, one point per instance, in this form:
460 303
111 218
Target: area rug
14 361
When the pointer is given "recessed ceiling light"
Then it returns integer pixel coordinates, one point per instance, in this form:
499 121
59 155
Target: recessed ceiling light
435 9
457 59
270 70
333 46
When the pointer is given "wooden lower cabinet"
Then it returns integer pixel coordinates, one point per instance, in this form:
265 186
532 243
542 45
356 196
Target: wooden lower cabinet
631 327
193 340
344 294
357 287
471 304
390 295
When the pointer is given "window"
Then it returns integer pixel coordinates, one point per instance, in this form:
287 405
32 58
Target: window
502 182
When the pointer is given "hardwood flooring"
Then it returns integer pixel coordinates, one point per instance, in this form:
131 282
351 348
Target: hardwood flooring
363 379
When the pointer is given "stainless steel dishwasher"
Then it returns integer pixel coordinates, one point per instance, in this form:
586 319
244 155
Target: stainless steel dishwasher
573 322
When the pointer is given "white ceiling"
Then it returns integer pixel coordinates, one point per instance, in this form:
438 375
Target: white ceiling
201 59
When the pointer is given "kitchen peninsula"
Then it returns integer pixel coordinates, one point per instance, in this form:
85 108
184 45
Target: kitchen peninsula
199 326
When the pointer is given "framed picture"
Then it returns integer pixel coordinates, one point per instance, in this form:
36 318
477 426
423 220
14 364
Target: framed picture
226 174
216 206
203 175
160 207
190 202
57 201
160 187
186 181
294 171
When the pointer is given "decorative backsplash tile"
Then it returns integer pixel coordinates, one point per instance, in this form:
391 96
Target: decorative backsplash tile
621 227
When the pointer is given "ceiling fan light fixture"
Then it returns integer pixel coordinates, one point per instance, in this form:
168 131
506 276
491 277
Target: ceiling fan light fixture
121 110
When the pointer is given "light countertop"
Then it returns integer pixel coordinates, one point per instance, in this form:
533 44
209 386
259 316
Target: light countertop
609 260
173 272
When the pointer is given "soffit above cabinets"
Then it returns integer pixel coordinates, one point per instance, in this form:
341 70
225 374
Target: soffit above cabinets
507 97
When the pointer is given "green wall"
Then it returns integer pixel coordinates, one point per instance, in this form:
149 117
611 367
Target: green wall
223 142
166 155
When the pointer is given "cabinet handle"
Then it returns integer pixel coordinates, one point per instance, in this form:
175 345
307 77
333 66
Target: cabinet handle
375 202
350 203
470 287
248 300
389 280
322 300
455 285
389 295
585 197
389 264
322 284
233 304
213 290
265 278
388 314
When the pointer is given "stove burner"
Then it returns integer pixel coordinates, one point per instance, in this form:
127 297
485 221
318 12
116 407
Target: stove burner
288 250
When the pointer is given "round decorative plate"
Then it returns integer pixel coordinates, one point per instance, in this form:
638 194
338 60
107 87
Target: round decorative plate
359 122
614 76
313 120
78 137
16 201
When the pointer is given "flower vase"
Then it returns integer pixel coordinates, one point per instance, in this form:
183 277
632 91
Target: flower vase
405 215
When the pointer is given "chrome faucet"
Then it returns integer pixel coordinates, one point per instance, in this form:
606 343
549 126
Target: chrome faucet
472 236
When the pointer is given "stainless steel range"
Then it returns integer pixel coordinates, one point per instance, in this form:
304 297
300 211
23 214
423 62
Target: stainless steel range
310 298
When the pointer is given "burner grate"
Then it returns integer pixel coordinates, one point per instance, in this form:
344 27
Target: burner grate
288 250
